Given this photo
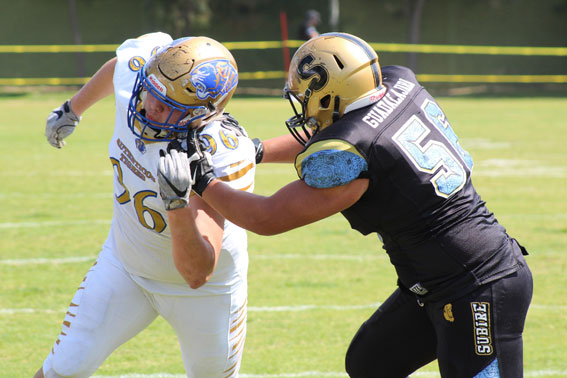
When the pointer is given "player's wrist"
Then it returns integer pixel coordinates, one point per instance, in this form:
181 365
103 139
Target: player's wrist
203 182
176 204
71 113
259 149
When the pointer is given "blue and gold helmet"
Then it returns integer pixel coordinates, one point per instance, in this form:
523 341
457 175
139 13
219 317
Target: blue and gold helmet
195 77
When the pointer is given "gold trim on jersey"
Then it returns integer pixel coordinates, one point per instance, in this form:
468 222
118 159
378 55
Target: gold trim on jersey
238 174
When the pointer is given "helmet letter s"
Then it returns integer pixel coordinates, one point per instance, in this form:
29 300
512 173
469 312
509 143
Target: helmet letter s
316 70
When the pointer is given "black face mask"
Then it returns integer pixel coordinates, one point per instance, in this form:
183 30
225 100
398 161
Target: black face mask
298 120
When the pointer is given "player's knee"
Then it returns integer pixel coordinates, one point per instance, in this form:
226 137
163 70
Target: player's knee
207 367
50 374
69 369
72 361
53 374
359 363
352 359
353 364
65 373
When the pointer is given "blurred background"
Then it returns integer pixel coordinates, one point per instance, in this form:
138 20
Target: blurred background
387 24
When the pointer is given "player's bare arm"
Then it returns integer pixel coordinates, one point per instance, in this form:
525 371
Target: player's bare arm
282 149
98 87
63 121
196 237
294 205
196 230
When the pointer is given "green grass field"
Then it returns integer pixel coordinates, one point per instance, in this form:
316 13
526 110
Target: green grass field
309 289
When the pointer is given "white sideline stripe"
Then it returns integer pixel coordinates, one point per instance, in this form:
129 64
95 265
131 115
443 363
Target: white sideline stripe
56 195
78 259
37 261
298 308
81 173
311 307
287 256
54 223
292 256
82 222
428 374
13 311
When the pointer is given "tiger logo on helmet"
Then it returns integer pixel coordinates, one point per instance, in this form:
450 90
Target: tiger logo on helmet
194 77
215 78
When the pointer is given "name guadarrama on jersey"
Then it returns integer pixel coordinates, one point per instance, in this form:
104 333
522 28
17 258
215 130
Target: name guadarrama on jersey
386 106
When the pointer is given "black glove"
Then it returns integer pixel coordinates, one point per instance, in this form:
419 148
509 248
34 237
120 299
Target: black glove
200 162
177 145
230 123
259 148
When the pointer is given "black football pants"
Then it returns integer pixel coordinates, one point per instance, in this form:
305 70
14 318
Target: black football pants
476 336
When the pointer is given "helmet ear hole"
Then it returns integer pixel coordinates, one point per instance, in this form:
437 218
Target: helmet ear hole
326 101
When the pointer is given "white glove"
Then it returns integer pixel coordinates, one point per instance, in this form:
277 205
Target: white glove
60 124
174 179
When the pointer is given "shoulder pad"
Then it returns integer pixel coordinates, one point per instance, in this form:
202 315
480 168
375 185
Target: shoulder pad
329 163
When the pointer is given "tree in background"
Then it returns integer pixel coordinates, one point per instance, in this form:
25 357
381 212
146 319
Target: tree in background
76 36
414 13
182 17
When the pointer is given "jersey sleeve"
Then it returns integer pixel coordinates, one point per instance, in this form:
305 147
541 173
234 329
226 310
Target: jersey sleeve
233 156
131 56
330 163
141 48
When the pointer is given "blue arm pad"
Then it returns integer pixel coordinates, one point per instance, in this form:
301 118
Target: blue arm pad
330 168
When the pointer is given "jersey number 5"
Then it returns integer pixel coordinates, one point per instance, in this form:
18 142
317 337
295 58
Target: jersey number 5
447 162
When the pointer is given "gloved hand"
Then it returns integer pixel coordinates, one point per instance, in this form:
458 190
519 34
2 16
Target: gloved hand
174 179
60 124
201 163
230 123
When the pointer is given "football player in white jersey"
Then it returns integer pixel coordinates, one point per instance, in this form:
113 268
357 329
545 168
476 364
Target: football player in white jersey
167 254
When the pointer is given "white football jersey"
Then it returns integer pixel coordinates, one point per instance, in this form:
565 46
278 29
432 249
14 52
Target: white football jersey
139 234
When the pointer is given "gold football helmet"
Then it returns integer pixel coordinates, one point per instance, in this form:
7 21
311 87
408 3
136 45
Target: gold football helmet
194 76
330 75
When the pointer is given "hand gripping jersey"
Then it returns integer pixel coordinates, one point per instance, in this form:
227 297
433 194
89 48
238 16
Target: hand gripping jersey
439 234
139 235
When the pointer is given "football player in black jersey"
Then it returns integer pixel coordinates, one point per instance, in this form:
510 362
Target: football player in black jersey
377 147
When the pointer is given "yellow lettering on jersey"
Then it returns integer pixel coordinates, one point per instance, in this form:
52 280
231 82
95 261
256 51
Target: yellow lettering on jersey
136 63
125 195
157 219
210 144
230 141
128 159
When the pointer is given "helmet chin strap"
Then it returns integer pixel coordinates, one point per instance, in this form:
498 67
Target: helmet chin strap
312 123
196 114
336 109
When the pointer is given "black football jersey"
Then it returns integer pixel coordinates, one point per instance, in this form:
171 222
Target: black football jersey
437 231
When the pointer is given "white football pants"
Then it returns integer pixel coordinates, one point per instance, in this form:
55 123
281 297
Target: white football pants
109 308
